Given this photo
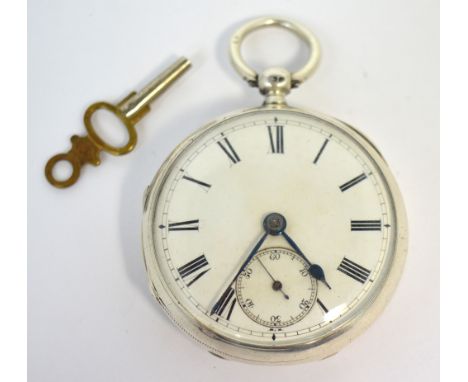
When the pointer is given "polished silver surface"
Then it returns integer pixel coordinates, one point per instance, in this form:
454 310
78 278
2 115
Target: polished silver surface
249 74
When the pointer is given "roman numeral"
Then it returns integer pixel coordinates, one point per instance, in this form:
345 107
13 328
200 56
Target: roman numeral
325 143
366 225
353 182
229 151
353 270
322 306
189 225
276 140
203 184
227 299
194 268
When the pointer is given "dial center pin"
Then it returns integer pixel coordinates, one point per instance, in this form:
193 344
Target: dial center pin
274 224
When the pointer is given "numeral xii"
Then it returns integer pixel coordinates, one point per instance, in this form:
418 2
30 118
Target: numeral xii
276 139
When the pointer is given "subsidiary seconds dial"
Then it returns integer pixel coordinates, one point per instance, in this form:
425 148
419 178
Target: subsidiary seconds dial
275 289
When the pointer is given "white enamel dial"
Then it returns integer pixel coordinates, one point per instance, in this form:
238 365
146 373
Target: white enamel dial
208 214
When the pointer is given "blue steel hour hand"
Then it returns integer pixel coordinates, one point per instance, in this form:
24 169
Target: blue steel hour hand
275 224
315 270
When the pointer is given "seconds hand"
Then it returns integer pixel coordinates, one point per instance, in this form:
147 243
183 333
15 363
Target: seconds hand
277 285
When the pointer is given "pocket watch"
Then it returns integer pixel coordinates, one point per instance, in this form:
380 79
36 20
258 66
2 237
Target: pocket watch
274 235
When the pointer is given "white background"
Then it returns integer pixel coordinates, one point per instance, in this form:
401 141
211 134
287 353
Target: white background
91 316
